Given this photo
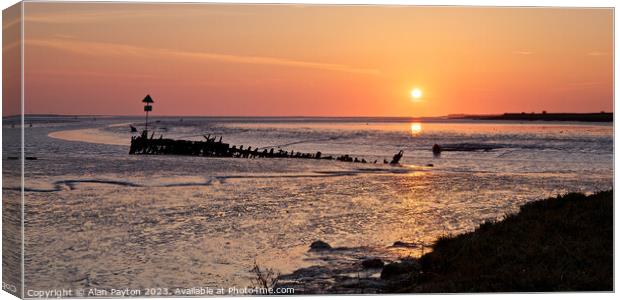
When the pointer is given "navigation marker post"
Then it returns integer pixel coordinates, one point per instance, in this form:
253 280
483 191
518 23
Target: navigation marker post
148 100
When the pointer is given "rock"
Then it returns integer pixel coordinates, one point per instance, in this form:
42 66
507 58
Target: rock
309 273
405 267
401 244
430 165
372 263
362 283
320 245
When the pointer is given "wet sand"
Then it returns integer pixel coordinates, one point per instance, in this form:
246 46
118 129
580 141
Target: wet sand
98 217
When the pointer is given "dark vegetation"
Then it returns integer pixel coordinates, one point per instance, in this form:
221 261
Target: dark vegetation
264 278
557 244
544 116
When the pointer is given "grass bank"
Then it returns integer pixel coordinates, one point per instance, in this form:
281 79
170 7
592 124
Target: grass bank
556 244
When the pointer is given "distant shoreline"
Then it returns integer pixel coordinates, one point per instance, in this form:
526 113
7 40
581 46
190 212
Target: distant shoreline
557 117
561 117
600 118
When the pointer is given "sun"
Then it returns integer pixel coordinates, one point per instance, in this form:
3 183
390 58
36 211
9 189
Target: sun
416 93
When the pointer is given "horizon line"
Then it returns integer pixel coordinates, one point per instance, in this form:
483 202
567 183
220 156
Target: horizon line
301 116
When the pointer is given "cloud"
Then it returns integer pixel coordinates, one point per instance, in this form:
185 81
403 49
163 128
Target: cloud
8 24
98 49
59 18
596 53
57 72
10 46
523 52
117 14
583 85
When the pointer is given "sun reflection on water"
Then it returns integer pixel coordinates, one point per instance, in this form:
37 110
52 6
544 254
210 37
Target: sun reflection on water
416 128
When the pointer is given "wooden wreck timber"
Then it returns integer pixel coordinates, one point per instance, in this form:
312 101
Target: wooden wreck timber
213 147
144 144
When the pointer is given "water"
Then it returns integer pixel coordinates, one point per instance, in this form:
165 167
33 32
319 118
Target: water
98 217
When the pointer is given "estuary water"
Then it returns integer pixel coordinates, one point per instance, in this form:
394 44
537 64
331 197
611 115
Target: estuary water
98 217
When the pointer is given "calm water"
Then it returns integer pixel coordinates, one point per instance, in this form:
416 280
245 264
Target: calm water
97 217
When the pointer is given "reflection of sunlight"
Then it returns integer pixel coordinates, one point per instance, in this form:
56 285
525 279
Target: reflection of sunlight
416 174
416 128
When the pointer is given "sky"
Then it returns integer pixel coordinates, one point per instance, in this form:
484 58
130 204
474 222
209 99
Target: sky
304 60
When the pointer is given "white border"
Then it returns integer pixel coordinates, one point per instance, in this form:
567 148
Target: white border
504 3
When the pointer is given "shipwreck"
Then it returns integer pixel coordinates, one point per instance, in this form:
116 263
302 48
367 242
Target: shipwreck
214 147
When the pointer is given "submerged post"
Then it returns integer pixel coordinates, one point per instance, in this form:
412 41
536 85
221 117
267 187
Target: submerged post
148 100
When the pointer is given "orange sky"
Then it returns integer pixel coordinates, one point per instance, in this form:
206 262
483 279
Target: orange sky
315 60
